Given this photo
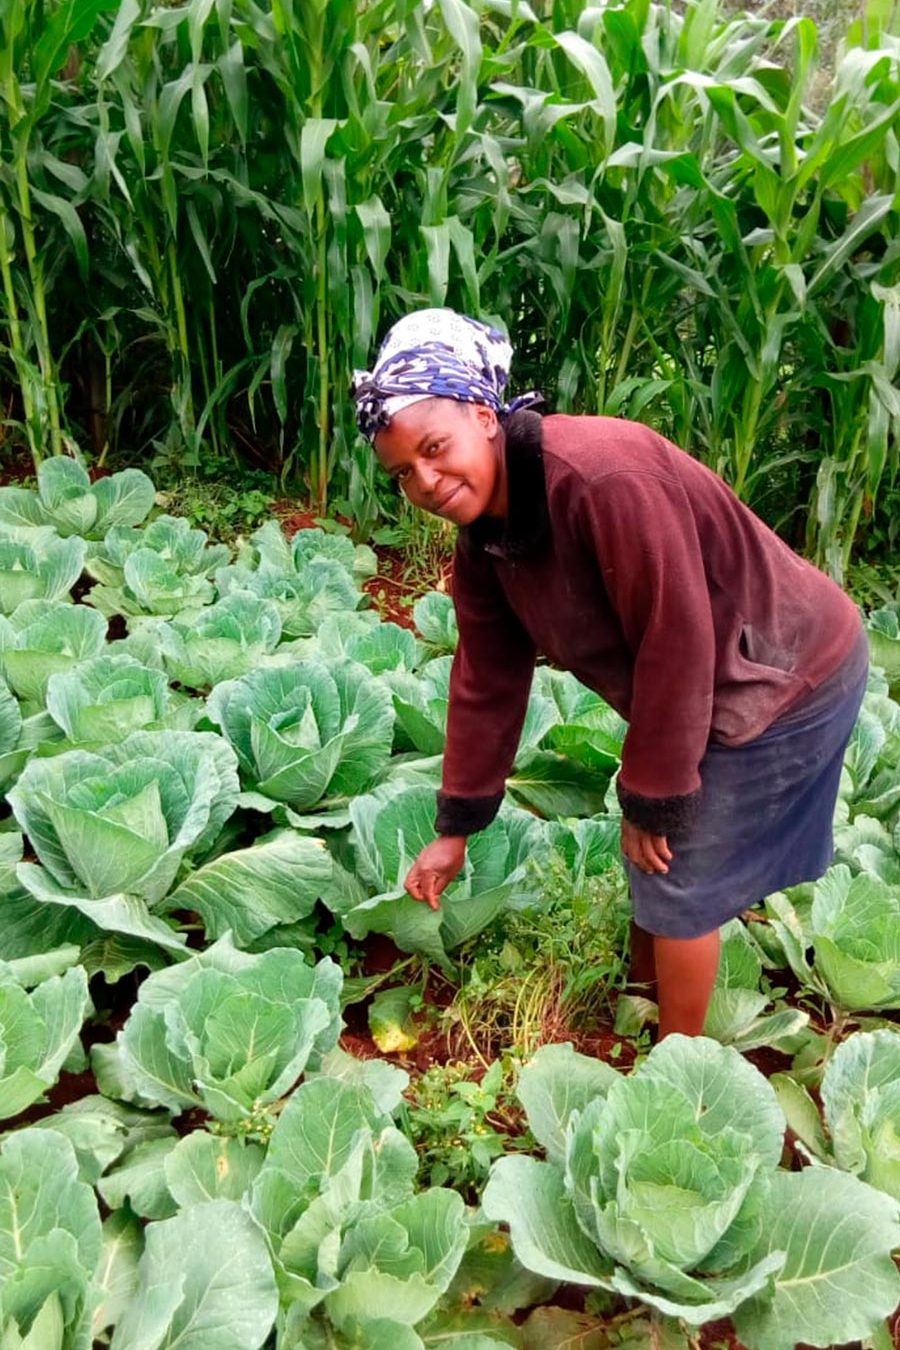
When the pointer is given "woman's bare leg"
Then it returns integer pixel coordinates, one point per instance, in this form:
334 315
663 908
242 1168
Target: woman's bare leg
642 965
685 973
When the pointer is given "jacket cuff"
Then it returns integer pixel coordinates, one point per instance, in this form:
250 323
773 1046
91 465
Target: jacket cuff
659 815
465 815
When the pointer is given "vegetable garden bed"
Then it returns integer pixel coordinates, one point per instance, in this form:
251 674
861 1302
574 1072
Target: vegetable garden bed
255 1096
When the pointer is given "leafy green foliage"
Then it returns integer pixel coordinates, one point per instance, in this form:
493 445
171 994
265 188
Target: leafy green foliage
50 1239
861 1100
737 1013
111 829
205 1277
435 618
248 218
44 568
37 1032
41 638
884 639
851 927
229 1031
224 641
67 501
459 1125
390 827
664 1186
307 731
108 697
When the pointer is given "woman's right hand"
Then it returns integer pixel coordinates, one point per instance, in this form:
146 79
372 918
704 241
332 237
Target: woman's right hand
434 869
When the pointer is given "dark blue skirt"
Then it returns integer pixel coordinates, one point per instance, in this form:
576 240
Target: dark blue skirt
765 815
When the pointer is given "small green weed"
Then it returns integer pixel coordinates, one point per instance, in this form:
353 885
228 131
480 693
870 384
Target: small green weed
426 542
458 1125
212 500
549 969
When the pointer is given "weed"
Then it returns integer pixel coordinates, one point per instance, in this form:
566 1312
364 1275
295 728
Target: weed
426 542
458 1125
547 970
211 499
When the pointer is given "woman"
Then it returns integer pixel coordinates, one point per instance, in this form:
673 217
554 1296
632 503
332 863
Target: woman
596 543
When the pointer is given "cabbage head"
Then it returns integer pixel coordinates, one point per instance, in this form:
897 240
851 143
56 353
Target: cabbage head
360 636
861 1106
43 637
435 618
222 642
44 568
390 827
228 1030
360 1257
303 598
108 697
269 548
883 627
67 500
306 732
112 827
20 736
846 944
861 1098
152 586
665 1186
184 550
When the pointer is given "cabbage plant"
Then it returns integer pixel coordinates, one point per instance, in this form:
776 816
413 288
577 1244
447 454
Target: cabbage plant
38 1030
44 568
860 1093
67 500
561 769
43 637
20 736
360 636
845 944
435 618
204 1279
229 1031
112 827
266 890
306 732
222 642
360 1258
50 1241
303 598
107 697
390 827
883 627
152 586
737 1011
184 550
269 548
665 1186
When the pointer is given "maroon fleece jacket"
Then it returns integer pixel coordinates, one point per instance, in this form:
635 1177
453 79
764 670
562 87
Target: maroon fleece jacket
629 563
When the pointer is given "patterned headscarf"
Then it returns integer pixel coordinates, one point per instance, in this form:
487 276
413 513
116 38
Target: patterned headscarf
435 353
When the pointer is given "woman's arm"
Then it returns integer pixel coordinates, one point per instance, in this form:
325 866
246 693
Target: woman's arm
489 686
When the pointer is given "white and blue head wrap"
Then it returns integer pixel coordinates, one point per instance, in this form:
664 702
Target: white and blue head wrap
435 353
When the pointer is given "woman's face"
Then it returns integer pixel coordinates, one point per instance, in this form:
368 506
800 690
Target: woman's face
447 458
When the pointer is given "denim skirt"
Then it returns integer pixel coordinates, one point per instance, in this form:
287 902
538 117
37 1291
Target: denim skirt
765 816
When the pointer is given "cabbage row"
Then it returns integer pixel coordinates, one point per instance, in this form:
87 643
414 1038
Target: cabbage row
213 755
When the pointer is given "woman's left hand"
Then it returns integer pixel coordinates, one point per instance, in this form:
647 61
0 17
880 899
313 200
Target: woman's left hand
649 852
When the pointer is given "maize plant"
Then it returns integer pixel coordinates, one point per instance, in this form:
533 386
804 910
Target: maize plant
646 199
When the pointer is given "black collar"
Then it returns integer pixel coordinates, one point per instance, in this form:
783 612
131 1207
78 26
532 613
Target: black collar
525 532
